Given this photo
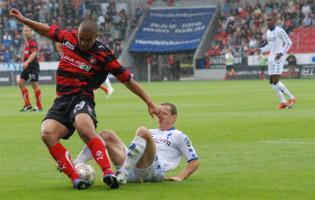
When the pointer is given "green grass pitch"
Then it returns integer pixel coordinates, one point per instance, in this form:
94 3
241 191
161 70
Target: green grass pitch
248 149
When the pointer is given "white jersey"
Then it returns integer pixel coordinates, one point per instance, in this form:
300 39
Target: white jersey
278 42
171 146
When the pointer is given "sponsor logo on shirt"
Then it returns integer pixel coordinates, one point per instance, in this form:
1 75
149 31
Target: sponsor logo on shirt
69 45
162 140
76 63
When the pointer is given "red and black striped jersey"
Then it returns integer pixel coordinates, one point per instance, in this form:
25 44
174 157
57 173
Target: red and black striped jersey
29 47
82 72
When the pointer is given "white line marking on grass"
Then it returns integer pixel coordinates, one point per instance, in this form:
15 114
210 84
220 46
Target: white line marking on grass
290 141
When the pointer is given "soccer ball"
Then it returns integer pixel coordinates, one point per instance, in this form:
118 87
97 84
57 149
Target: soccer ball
86 172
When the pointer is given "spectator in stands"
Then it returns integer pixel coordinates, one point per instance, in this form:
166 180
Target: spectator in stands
170 67
204 62
6 56
73 11
291 66
6 40
307 21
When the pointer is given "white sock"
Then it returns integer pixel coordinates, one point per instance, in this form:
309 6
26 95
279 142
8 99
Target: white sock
108 84
279 93
84 156
135 152
284 89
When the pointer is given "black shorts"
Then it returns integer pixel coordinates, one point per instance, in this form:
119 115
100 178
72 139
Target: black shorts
31 72
229 67
66 108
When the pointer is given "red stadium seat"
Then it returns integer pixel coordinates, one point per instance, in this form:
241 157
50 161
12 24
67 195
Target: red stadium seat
303 39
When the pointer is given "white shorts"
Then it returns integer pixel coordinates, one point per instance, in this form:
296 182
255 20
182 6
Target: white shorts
275 67
154 173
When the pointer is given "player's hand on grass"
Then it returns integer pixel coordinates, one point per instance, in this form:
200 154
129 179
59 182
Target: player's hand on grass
173 178
16 13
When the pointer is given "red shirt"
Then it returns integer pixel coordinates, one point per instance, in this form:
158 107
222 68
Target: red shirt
82 72
29 47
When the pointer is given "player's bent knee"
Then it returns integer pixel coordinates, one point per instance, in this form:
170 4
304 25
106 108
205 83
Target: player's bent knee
49 138
143 132
107 135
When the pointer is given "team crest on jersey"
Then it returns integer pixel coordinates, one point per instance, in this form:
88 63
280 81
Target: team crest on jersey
92 60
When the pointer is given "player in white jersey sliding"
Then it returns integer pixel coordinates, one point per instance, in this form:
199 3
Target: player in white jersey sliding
152 153
278 45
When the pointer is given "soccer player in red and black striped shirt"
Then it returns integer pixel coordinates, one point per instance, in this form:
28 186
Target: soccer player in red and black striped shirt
83 67
30 71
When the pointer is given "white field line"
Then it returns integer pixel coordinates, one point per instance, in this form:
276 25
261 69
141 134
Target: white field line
290 141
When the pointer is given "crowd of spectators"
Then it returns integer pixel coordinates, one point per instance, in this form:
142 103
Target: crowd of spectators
241 26
114 24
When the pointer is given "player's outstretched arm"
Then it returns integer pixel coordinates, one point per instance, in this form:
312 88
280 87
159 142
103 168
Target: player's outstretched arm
153 109
190 168
42 29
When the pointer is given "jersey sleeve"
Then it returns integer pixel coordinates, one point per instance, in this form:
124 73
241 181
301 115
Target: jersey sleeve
286 39
33 46
264 48
186 148
57 34
115 68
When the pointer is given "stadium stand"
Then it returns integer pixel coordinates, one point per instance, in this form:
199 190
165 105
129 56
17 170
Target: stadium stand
115 24
241 24
303 39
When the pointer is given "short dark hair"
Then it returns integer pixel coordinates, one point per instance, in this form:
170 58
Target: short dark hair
89 24
172 106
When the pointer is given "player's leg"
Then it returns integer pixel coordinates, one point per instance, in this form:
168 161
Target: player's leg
141 153
274 73
273 81
109 86
85 123
284 90
105 89
281 86
227 73
24 91
233 73
114 146
38 96
51 132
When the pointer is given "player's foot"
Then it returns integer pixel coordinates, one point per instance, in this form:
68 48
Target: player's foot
283 105
122 177
291 102
26 108
36 109
80 184
109 92
111 181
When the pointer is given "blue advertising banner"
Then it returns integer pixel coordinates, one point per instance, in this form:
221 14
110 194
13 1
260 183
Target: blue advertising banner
10 67
172 29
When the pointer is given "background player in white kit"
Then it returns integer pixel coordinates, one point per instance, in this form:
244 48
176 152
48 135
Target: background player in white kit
278 45
152 153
